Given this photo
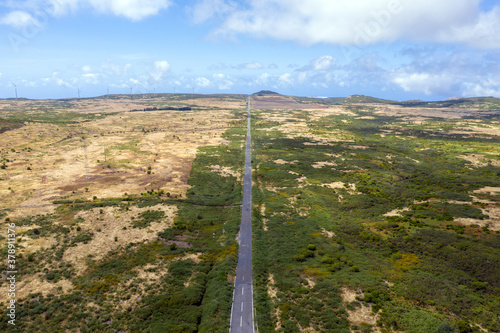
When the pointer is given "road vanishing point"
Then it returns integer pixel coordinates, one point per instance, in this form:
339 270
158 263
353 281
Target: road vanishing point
242 320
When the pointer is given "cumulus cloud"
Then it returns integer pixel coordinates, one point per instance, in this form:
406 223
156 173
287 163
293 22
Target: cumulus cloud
134 10
206 9
159 70
484 32
202 82
427 83
263 79
134 82
92 78
486 87
223 82
320 64
323 63
359 22
63 7
286 79
55 79
457 73
19 19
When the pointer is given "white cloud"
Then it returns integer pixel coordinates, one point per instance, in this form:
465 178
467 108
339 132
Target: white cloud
115 69
415 82
135 10
206 9
91 78
302 77
263 79
159 70
162 65
359 22
486 87
323 63
61 82
63 7
223 82
439 73
86 68
447 84
19 19
134 81
285 79
55 79
202 82
484 32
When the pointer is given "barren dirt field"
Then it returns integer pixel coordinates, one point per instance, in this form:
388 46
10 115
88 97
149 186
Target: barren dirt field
105 157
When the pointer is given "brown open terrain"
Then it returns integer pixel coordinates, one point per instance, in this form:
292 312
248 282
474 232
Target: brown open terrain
281 102
108 156
100 148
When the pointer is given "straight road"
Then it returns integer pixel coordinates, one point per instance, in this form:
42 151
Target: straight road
242 310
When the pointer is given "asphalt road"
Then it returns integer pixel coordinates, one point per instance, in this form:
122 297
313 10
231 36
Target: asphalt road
242 310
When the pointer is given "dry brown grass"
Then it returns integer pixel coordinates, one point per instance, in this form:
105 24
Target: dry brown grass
34 284
319 165
110 224
493 223
329 234
57 156
272 291
271 287
422 114
488 190
225 171
264 219
361 314
397 212
295 126
166 141
479 160
283 162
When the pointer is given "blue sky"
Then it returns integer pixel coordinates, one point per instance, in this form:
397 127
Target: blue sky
395 49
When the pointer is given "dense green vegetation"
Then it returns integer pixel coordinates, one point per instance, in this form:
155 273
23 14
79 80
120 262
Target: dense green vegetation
419 270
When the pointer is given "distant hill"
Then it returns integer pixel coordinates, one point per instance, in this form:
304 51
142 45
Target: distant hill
487 103
366 99
265 93
483 103
348 100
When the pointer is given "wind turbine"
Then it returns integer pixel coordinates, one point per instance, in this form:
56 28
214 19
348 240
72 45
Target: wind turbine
78 92
15 87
